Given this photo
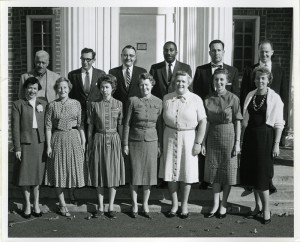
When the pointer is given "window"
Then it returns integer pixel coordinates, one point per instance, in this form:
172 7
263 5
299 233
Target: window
245 41
40 36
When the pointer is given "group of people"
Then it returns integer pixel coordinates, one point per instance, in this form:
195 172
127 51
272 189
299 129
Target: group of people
104 130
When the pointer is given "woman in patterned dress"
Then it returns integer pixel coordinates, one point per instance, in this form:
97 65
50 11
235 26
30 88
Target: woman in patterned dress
183 111
28 136
65 143
142 140
106 164
222 141
261 131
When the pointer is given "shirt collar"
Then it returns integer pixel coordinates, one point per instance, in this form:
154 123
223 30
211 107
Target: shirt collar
269 64
124 68
90 71
38 74
173 63
211 64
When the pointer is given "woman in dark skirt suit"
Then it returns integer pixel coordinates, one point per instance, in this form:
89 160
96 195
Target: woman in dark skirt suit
28 135
261 131
222 141
142 140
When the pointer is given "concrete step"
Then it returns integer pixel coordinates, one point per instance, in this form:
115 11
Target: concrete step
89 206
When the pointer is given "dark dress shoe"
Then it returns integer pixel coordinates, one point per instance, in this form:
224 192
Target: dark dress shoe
171 214
184 215
220 216
146 215
210 215
112 214
37 215
254 214
133 214
26 216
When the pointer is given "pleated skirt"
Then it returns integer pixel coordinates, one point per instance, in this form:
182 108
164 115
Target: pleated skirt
220 166
66 167
106 164
30 170
143 162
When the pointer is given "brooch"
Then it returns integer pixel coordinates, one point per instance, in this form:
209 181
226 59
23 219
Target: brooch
39 108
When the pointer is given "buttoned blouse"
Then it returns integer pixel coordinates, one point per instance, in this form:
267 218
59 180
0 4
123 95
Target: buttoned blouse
183 112
223 108
142 114
105 115
64 115
32 103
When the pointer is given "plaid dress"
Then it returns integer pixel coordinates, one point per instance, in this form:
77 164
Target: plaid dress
222 111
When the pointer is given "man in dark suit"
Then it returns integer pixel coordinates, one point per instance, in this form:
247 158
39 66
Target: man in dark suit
127 80
127 76
203 85
164 72
279 84
85 90
84 81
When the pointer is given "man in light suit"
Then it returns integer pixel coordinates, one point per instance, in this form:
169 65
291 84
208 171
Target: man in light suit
279 84
46 77
127 80
203 85
127 76
84 82
164 72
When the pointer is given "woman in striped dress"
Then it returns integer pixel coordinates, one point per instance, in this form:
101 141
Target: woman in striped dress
222 141
106 163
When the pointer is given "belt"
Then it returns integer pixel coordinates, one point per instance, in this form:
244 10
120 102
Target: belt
180 129
66 129
105 131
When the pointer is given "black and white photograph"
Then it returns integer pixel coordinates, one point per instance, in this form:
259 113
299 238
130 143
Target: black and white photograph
163 120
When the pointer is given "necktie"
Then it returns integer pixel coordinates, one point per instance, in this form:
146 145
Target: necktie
128 80
169 73
87 83
213 65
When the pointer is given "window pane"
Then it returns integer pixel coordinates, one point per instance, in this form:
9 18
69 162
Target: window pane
238 40
238 27
248 53
238 53
47 27
36 27
36 39
249 27
47 39
248 40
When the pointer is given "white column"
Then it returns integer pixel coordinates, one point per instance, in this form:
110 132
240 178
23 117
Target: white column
95 28
197 27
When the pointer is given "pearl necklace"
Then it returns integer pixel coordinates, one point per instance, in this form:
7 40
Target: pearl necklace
257 107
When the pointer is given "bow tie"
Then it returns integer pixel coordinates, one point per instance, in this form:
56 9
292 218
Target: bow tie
213 65
182 98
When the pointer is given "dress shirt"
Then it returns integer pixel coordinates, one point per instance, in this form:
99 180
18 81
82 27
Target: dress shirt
268 65
215 68
124 69
172 68
32 103
83 74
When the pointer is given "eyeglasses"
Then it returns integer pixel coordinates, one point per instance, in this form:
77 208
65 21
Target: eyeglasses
88 60
131 56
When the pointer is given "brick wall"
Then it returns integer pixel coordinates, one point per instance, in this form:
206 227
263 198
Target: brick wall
276 24
17 46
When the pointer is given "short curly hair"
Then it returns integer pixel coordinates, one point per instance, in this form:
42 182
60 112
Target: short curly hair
111 79
221 71
31 81
263 70
145 76
62 79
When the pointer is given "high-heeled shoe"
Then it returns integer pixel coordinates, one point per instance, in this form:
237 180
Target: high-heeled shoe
133 214
171 214
112 214
26 216
184 215
267 221
146 214
221 216
211 215
63 211
253 214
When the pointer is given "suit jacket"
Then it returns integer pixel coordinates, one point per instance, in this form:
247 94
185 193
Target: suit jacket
203 84
279 85
51 79
159 73
21 122
121 93
77 92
